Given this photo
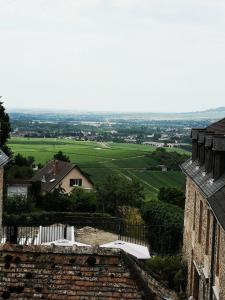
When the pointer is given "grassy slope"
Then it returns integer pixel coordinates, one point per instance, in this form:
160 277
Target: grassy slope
102 159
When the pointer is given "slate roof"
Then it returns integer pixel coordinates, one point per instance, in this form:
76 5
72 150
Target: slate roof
53 173
214 190
217 127
217 203
3 158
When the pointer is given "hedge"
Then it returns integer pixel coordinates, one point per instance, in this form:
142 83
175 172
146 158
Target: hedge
165 226
48 218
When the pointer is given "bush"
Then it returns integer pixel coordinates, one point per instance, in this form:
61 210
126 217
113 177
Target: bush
18 204
48 218
56 201
169 269
165 226
83 201
172 195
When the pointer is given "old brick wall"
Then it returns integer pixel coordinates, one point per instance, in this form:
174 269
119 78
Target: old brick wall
37 272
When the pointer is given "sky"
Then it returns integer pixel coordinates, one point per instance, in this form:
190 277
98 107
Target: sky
113 55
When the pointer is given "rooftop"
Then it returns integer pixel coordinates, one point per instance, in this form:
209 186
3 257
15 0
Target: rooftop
53 173
54 272
206 167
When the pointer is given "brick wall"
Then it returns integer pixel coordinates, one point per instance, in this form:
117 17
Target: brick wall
48 272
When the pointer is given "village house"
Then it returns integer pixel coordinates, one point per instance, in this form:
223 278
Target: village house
204 221
59 174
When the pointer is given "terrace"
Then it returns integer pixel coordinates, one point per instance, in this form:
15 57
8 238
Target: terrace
129 237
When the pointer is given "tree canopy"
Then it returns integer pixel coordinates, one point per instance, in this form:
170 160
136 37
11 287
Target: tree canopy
117 191
5 129
172 195
61 156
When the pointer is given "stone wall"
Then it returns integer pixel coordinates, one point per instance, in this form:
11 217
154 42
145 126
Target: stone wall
156 288
194 251
49 272
1 197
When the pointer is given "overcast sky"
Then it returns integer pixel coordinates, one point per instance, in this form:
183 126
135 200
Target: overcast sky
120 55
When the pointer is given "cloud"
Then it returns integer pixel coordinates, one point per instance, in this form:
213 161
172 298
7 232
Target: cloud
117 54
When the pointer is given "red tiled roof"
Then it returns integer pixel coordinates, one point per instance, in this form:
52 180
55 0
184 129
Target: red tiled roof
37 272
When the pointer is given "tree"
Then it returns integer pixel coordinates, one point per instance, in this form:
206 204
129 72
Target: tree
61 156
117 191
171 159
165 226
172 195
19 172
20 160
5 129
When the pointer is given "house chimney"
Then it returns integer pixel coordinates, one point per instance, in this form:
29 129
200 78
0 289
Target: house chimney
194 136
208 153
195 143
201 147
219 156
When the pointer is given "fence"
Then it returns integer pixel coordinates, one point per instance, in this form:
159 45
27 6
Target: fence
36 235
161 240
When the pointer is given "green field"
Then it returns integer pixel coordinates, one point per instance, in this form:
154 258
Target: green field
103 159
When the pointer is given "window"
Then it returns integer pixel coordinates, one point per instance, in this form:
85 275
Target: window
207 233
194 212
200 223
218 252
76 182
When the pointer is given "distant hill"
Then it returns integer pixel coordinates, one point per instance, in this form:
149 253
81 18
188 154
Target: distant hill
209 114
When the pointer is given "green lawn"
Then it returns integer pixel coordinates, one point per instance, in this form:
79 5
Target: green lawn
103 159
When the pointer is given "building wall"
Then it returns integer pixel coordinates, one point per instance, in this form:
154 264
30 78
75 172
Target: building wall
17 190
1 196
74 174
197 247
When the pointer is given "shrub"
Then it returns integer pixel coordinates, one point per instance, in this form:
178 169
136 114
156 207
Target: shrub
165 226
169 269
172 195
83 201
56 201
18 204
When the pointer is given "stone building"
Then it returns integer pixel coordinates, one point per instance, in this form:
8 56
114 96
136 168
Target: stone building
204 224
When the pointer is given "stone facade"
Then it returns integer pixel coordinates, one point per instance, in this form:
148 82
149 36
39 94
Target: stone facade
1 196
203 247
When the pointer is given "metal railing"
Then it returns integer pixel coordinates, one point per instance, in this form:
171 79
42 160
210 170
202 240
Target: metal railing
161 240
36 235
